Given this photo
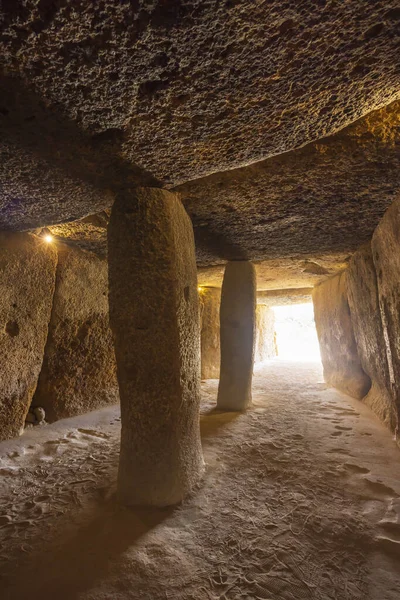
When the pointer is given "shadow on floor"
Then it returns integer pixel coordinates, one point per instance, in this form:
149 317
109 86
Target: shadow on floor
76 564
214 420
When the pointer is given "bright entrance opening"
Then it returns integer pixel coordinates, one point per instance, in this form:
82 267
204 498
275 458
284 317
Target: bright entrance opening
295 333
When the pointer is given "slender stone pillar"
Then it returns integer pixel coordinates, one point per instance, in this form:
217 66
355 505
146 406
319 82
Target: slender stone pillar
210 302
237 318
154 316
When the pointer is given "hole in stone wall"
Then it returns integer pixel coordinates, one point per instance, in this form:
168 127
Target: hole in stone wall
12 328
296 336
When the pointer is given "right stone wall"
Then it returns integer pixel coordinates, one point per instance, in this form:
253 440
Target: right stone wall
386 256
339 355
363 295
357 315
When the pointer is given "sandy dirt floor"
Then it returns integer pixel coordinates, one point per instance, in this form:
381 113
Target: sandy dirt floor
301 500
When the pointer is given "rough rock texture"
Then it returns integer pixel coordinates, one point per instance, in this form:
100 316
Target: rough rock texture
89 233
385 251
79 370
325 197
265 332
307 205
363 297
237 318
342 367
285 297
50 170
27 276
182 89
154 315
210 300
282 273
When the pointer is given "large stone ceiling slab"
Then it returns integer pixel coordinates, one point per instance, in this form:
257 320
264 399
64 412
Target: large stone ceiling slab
284 273
178 89
323 198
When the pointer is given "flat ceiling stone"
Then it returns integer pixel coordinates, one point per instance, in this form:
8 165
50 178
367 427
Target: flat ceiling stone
323 198
285 297
284 273
109 92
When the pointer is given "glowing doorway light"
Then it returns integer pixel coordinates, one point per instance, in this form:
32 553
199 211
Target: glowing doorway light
296 336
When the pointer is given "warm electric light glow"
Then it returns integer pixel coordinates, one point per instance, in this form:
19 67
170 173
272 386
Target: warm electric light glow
199 288
296 336
48 238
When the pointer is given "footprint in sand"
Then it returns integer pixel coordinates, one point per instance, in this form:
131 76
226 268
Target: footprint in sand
391 528
339 451
380 488
336 433
388 546
346 412
94 433
343 428
355 468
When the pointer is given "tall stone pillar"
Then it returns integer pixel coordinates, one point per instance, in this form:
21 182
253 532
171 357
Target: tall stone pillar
237 317
154 316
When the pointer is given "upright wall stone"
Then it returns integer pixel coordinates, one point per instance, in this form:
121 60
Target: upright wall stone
154 314
386 256
363 299
79 369
27 276
340 360
210 300
265 333
237 317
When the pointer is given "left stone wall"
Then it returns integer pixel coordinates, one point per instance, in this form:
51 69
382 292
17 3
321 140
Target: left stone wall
79 368
27 281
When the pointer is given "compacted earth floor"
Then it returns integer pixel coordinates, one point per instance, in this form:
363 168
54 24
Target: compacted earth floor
301 500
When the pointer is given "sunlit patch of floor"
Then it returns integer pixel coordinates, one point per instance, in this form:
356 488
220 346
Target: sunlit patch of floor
301 500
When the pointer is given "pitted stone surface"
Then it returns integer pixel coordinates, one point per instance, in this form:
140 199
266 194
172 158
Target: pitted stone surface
27 278
324 198
311 208
154 316
79 369
107 91
281 273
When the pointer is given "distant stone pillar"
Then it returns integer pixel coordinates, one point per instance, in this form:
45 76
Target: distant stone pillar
154 316
237 317
210 302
